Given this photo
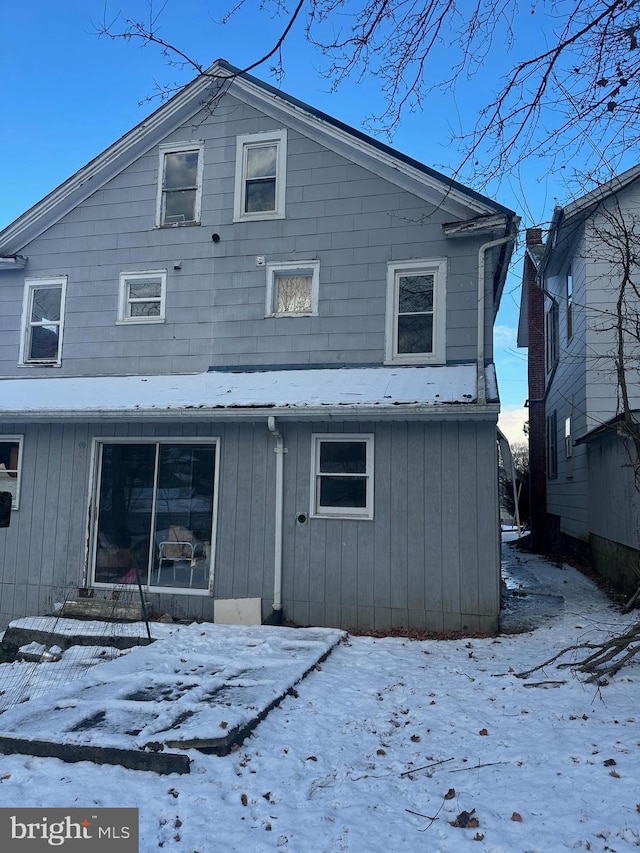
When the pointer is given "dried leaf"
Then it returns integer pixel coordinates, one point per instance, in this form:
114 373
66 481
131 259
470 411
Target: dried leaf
466 820
479 836
610 762
177 823
173 792
244 799
224 724
311 758
450 794
416 738
517 817
380 752
483 732
614 774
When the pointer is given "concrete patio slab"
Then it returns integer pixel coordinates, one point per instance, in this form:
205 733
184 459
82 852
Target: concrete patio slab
204 686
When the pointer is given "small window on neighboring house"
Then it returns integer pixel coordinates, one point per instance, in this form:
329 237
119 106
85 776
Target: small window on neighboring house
292 288
416 311
261 167
551 336
142 297
568 447
180 184
42 321
569 304
342 476
552 445
10 465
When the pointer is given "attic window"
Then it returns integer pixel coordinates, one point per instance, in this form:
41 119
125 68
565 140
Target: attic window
261 160
180 187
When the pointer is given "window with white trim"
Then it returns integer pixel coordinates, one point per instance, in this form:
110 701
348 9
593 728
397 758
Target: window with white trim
261 169
42 321
292 288
10 466
416 309
568 447
142 296
342 476
180 184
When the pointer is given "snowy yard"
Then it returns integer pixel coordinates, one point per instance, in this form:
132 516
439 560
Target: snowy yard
390 740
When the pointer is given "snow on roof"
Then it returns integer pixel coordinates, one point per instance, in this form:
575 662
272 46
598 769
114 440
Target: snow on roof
279 391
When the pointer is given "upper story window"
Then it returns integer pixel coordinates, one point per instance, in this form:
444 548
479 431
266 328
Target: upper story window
342 476
569 304
180 184
292 288
551 337
416 311
42 321
10 466
552 445
142 297
261 170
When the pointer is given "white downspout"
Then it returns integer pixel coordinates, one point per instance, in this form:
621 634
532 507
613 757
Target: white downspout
279 450
482 382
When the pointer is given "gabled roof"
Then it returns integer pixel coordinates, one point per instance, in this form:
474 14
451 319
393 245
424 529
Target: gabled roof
222 78
567 219
360 392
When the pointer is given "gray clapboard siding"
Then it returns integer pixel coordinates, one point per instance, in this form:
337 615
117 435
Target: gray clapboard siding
349 218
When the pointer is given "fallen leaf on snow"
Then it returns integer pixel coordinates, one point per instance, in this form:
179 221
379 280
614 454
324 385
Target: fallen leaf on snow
450 794
479 836
466 820
517 817
415 738
244 799
610 762
483 732
224 724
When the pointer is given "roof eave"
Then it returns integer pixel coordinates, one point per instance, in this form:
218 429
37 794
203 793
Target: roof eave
341 412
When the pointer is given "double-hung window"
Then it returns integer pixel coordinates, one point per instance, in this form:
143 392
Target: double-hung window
10 466
416 308
552 445
342 476
142 297
42 321
179 184
261 169
292 288
552 342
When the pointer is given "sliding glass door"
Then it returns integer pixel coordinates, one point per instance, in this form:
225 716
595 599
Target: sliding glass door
155 514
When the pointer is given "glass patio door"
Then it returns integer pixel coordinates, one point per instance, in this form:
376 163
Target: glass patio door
155 515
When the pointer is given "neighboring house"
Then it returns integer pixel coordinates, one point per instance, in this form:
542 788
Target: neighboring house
570 316
241 274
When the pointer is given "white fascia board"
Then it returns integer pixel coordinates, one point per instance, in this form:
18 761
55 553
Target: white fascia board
417 411
104 167
403 175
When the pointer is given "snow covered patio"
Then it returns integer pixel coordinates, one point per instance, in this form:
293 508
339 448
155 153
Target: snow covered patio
203 686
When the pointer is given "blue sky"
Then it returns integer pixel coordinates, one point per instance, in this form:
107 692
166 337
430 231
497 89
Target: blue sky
66 94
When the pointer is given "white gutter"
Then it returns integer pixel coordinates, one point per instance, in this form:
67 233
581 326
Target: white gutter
279 450
482 382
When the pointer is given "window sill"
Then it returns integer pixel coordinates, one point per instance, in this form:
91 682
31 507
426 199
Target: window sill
417 358
259 217
170 225
150 322
342 516
291 314
40 364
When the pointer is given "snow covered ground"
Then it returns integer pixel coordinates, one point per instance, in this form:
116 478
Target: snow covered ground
390 740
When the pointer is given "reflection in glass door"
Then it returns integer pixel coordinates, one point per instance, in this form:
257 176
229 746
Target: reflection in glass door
155 514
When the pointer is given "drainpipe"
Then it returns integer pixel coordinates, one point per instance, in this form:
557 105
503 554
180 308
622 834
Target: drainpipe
482 382
279 450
